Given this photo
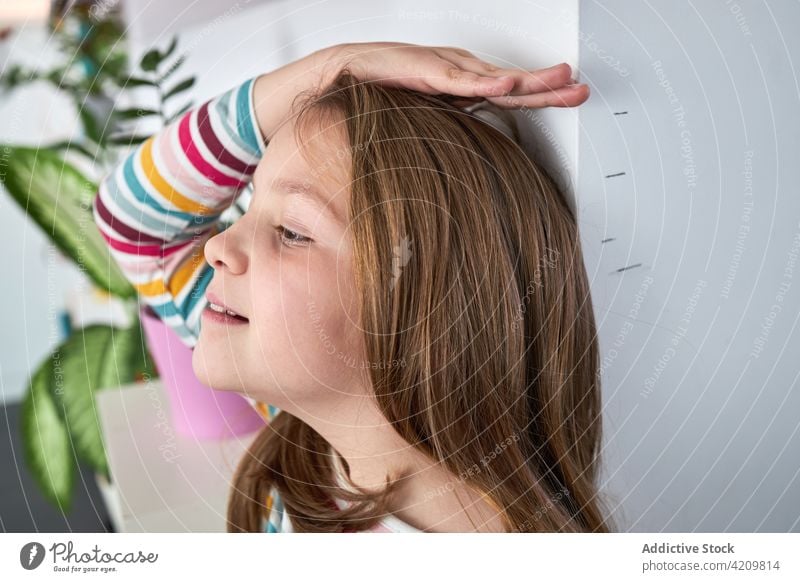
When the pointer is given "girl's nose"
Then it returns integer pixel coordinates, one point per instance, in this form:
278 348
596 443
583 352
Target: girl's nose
225 250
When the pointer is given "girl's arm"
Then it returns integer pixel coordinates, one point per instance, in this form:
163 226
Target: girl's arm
159 206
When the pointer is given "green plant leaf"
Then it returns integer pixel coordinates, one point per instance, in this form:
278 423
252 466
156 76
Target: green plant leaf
150 60
59 199
179 88
171 48
136 82
46 441
171 69
97 357
73 145
128 114
90 125
128 140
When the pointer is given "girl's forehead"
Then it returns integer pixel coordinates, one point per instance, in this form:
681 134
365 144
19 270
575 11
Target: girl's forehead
314 171
295 193
313 152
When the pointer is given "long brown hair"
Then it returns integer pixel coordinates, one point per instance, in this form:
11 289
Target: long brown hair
490 314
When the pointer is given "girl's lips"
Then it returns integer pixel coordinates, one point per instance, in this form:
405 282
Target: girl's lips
223 318
216 301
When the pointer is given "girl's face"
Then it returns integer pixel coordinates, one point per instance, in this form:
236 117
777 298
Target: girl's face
286 265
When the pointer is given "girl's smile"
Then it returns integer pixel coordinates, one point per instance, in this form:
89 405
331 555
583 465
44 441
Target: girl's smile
218 312
211 314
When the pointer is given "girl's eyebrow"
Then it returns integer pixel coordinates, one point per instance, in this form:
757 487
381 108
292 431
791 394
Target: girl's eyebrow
297 187
305 190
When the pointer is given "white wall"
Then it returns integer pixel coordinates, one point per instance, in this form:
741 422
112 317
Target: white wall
700 367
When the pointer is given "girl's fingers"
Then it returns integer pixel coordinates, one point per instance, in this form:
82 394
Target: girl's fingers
462 74
525 82
456 81
542 80
568 96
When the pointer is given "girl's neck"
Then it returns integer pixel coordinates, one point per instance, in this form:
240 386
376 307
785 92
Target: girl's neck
431 499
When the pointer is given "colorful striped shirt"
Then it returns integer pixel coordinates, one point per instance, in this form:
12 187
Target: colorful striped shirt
159 206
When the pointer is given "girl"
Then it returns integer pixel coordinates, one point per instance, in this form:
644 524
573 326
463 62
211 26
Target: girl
406 290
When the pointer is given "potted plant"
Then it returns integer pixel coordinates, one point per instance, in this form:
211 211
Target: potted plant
59 421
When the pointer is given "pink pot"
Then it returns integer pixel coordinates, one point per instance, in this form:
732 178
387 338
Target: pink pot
197 411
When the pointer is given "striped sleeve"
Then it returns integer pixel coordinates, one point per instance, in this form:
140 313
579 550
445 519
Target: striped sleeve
159 206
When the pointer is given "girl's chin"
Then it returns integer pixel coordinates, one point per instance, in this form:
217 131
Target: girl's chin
215 381
205 368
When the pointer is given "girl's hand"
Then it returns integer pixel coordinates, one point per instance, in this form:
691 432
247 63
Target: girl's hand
455 71
434 70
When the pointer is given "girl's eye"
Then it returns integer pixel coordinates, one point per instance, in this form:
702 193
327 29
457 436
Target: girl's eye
291 238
